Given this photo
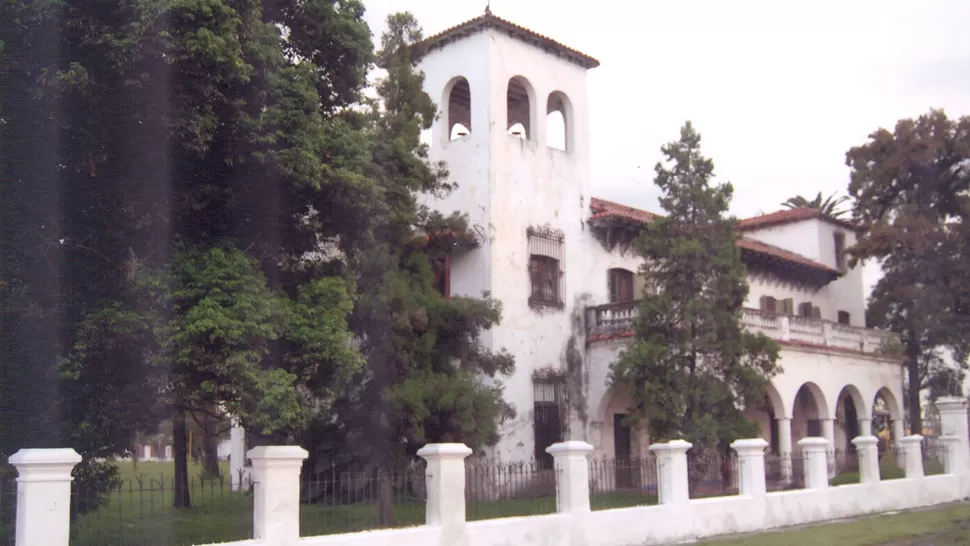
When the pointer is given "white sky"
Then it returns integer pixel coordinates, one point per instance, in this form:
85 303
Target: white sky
779 90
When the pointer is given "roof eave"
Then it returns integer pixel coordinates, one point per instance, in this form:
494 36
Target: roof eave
481 23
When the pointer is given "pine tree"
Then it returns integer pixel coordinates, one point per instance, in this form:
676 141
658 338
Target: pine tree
427 378
692 369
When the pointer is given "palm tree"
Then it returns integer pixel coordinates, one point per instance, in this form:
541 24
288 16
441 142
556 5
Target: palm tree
829 207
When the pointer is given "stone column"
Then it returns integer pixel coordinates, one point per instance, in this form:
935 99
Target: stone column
828 432
898 431
912 448
672 484
237 456
751 463
865 427
815 451
44 495
276 506
785 448
572 476
953 422
446 483
867 448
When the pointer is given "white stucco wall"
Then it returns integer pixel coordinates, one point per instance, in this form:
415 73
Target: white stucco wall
507 184
814 239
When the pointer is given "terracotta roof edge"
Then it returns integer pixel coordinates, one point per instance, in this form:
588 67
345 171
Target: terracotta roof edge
489 20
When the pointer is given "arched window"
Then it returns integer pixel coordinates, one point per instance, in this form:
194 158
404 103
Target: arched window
621 285
519 108
557 122
459 109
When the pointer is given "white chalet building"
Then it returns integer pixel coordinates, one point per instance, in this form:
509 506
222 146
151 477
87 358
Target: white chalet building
559 260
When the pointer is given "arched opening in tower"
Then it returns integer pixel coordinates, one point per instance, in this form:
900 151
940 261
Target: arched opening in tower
519 109
459 110
557 122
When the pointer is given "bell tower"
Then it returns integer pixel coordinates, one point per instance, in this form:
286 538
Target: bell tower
512 127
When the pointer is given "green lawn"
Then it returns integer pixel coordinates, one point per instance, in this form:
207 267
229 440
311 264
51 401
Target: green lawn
889 470
943 526
141 513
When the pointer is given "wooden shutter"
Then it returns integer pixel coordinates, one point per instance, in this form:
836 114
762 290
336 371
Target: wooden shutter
787 306
805 309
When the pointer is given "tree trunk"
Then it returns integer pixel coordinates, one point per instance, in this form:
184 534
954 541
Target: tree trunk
180 490
385 501
210 445
134 456
915 386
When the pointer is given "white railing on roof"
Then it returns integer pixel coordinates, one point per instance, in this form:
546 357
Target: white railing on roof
615 319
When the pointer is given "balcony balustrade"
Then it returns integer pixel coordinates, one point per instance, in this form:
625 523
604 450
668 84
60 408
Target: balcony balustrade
616 320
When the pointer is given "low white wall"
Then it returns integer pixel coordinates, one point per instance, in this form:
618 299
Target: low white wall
705 518
45 475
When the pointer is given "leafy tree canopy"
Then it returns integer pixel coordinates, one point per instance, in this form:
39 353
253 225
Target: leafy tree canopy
692 368
912 201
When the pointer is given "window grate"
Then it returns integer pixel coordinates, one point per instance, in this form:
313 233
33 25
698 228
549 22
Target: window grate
546 271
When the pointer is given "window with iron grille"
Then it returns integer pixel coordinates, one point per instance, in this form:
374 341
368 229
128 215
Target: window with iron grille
546 268
550 416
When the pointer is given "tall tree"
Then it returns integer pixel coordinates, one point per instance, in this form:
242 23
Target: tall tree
203 330
427 378
132 127
912 191
829 206
692 368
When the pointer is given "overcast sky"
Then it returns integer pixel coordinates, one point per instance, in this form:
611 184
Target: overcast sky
779 92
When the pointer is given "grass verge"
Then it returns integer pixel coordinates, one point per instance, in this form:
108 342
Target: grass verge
948 525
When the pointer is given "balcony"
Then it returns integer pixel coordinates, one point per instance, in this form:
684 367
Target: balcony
616 320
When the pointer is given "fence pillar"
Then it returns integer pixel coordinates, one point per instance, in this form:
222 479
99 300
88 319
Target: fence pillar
951 455
867 448
751 464
672 484
446 483
816 455
912 447
44 495
953 422
276 506
572 476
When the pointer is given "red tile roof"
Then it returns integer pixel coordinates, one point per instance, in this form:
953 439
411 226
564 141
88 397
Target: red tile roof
488 20
790 216
764 248
601 208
